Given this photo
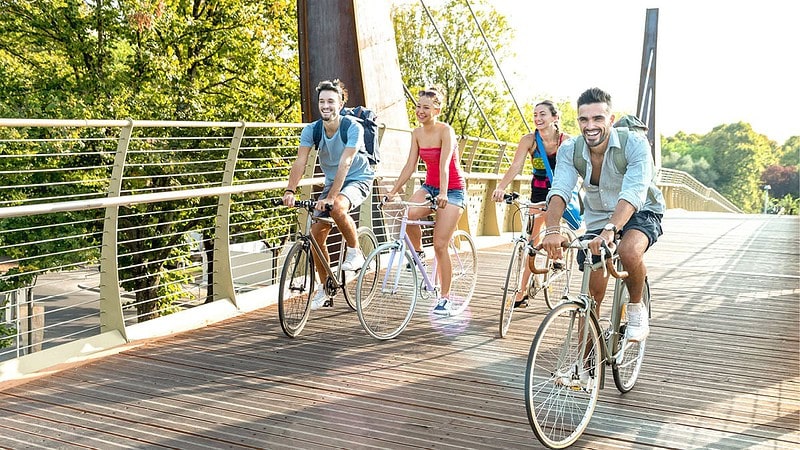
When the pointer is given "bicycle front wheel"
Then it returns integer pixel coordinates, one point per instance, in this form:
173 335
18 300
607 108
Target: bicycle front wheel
367 242
464 261
561 387
296 287
385 300
628 363
516 268
556 281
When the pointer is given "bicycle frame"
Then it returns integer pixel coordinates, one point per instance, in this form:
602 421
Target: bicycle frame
588 305
306 235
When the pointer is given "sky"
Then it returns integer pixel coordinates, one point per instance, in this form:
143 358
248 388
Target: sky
718 62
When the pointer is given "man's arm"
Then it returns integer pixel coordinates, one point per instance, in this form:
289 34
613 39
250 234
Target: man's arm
296 174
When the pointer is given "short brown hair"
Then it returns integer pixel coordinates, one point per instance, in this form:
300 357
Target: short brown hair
334 86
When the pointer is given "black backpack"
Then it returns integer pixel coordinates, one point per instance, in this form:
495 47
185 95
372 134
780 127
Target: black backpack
368 120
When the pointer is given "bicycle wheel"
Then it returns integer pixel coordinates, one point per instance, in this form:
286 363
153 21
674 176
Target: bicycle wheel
556 281
464 261
561 391
296 287
514 274
367 242
627 365
385 303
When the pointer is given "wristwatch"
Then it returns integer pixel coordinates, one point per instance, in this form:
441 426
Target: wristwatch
610 227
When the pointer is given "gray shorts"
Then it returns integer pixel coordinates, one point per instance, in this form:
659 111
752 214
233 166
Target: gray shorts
355 191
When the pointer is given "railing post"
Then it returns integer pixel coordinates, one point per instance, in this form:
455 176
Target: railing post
111 315
223 272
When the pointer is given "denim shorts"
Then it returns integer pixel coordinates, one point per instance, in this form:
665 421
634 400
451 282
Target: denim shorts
355 191
454 196
647 222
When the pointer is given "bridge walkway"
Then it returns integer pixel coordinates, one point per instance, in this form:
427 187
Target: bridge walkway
722 368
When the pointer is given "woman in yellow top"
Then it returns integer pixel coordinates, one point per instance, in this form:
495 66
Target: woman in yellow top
545 117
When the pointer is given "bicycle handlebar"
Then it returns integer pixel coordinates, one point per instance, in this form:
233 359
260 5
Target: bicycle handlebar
308 205
583 245
429 202
514 197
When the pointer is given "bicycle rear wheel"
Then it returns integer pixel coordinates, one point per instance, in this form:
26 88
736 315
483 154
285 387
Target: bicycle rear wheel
514 274
561 391
367 242
626 367
556 281
385 301
464 261
296 287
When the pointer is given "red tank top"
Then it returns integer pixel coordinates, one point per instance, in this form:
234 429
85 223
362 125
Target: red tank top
431 157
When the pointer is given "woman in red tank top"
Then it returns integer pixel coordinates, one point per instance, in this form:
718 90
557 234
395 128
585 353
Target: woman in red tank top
435 143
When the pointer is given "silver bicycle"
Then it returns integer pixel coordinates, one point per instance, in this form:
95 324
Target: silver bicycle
554 284
568 356
385 303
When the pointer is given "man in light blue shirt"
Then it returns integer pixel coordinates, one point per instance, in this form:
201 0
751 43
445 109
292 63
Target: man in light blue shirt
348 178
626 203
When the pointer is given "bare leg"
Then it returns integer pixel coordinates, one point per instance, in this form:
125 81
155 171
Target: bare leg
340 214
631 253
446 222
414 232
320 231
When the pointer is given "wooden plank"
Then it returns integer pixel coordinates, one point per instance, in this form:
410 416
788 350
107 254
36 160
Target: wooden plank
722 368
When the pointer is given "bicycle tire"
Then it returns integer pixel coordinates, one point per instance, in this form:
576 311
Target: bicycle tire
626 369
464 262
556 280
295 289
385 303
558 403
516 268
367 242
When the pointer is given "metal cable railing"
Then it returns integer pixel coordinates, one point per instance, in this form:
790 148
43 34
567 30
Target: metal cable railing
109 226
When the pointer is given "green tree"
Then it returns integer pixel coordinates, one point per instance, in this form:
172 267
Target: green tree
740 157
424 62
790 152
148 59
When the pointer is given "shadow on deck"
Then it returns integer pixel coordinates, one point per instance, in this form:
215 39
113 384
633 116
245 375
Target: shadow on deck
722 368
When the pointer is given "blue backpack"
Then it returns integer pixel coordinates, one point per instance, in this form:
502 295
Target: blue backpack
368 120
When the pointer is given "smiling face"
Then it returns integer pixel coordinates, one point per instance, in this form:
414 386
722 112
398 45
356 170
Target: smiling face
594 120
330 103
543 117
427 109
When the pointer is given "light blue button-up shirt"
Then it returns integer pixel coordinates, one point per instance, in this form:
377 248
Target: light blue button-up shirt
636 185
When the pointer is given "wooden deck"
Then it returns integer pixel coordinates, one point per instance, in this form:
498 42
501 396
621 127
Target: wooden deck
722 368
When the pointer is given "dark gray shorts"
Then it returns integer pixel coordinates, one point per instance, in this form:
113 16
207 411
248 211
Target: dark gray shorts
647 222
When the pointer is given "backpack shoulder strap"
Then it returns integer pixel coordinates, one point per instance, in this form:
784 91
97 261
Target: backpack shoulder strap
577 156
317 133
619 157
344 125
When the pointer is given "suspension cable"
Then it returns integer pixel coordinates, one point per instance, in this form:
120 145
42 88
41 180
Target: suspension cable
497 64
458 68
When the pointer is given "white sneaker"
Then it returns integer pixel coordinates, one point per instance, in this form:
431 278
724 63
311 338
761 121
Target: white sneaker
320 298
575 377
353 259
443 307
638 323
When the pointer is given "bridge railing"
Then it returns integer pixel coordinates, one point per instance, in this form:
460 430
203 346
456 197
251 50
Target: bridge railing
112 231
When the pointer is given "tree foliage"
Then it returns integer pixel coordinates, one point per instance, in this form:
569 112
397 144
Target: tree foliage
424 62
195 60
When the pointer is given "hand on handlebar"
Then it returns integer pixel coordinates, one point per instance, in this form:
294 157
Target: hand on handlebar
288 198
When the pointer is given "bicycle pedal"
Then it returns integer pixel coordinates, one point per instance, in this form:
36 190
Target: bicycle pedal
328 303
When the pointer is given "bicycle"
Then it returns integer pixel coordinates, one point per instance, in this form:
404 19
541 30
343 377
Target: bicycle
554 284
569 353
386 303
297 275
